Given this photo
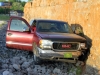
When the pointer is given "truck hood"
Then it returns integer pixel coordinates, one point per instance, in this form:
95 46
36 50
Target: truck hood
68 37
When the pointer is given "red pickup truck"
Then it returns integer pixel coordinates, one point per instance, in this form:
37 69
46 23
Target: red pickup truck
47 39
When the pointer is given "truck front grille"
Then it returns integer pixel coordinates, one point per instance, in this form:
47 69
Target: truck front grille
65 46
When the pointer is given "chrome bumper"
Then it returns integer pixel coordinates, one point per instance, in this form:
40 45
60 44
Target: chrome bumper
58 56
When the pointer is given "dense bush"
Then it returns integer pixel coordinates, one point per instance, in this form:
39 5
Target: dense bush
4 10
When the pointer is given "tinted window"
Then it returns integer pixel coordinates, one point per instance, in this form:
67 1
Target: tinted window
33 23
18 25
55 26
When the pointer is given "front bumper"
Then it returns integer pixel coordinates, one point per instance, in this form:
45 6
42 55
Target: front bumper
58 56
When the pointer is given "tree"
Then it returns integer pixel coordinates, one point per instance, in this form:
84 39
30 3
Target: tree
16 6
30 0
23 3
14 0
2 0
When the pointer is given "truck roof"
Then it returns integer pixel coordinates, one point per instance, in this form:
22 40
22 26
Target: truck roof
47 20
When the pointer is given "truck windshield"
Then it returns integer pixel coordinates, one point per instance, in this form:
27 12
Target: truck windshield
53 26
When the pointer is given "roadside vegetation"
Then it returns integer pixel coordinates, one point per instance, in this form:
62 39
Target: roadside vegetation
2 23
4 17
14 5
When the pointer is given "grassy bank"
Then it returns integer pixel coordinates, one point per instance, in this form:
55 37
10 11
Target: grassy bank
4 17
2 23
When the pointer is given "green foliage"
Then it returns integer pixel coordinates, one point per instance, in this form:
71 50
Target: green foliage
23 3
78 71
4 17
4 10
3 23
2 0
29 0
17 6
10 0
14 0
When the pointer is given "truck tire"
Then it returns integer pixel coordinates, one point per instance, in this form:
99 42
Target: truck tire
37 60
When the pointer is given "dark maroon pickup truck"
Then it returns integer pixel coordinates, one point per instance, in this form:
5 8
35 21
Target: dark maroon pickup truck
47 39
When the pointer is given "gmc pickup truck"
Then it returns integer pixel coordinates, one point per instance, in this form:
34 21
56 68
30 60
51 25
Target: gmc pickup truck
47 39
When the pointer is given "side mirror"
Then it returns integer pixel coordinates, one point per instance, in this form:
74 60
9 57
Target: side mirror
34 28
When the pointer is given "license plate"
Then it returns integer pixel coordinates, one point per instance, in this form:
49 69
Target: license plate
67 55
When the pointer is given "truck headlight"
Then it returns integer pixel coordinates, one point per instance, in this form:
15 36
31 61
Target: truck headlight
83 45
45 44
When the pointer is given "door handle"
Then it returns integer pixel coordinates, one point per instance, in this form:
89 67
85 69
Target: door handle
9 34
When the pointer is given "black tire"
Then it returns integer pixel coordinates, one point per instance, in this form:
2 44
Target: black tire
37 60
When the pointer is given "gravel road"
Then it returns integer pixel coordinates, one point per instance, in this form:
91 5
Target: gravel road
17 62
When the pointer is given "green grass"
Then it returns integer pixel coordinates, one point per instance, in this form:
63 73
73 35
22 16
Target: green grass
1 25
4 17
77 70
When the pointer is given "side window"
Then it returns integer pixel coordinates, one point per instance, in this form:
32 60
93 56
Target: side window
18 25
33 23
